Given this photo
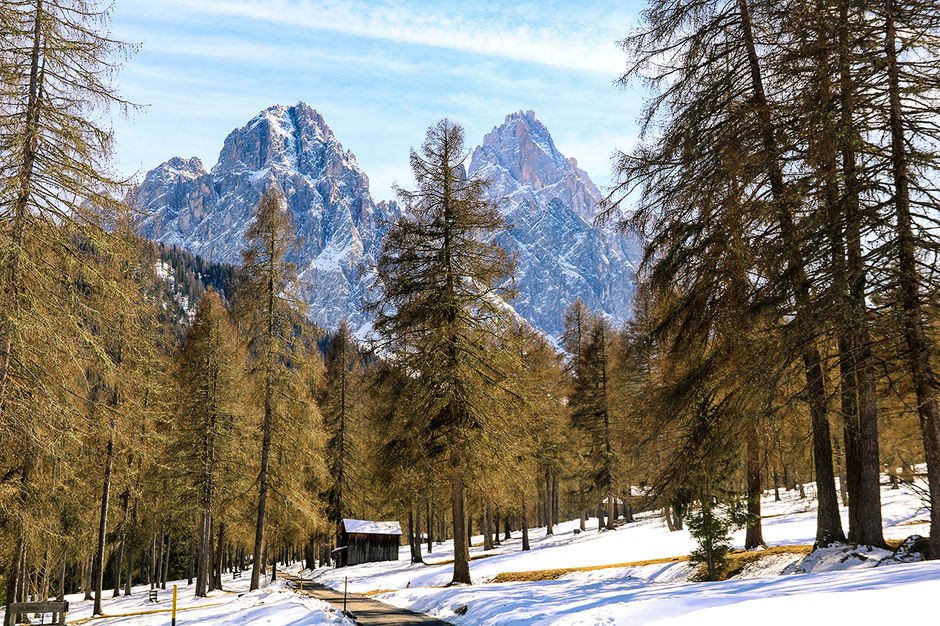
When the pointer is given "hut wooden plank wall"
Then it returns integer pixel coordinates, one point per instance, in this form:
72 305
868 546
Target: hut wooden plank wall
367 542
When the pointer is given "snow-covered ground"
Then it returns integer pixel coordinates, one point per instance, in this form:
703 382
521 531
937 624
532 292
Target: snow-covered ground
827 586
839 585
273 605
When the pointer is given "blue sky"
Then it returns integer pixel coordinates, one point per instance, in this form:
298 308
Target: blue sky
379 72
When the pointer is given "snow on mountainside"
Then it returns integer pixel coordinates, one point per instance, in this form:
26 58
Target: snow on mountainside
547 199
550 204
338 224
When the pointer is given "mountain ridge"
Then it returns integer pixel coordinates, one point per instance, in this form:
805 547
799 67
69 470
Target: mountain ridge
545 197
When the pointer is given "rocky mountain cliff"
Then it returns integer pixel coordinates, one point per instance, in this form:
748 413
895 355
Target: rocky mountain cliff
547 199
338 223
550 204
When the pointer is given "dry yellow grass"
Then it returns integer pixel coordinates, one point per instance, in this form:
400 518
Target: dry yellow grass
915 522
86 620
375 592
739 560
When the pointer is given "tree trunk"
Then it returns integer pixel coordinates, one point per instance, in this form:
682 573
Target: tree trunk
44 585
430 523
555 517
15 573
103 522
869 508
918 350
218 556
152 566
461 547
418 533
24 183
754 535
222 556
496 520
263 480
413 541
525 525
158 570
610 511
828 522
87 571
487 527
667 513
60 587
191 565
204 558
119 561
837 215
132 539
549 522
166 558
582 506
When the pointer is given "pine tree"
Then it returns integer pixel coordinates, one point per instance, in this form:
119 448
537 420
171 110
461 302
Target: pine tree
266 301
56 64
729 240
211 380
342 407
439 307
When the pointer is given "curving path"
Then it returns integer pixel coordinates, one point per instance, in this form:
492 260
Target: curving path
365 611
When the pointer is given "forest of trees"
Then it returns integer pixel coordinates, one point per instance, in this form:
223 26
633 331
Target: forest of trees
164 418
786 186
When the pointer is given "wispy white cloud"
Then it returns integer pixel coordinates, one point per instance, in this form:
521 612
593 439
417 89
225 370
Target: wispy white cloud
571 39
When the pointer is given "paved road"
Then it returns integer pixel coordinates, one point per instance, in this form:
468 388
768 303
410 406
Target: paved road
367 612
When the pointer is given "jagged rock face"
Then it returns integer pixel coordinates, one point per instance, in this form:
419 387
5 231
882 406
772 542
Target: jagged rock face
523 163
338 224
550 204
544 196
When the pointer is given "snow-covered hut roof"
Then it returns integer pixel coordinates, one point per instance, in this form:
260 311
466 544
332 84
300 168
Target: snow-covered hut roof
365 527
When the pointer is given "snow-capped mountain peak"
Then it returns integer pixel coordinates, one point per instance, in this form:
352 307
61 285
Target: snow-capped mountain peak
544 195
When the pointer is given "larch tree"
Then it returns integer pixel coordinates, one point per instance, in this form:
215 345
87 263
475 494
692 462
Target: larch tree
440 277
342 407
266 299
57 65
912 79
590 405
210 376
721 214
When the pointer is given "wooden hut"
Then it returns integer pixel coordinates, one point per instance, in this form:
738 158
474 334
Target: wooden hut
362 541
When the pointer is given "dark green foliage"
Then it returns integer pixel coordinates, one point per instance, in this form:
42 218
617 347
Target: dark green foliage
192 274
439 313
702 497
711 525
342 405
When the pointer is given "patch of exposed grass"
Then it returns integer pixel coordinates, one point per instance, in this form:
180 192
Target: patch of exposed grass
915 522
86 620
375 592
739 560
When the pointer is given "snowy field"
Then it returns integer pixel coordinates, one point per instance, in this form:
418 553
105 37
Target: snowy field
832 586
272 605
840 585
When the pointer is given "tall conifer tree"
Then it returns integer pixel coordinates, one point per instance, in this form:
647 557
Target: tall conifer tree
342 408
56 64
266 300
441 275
